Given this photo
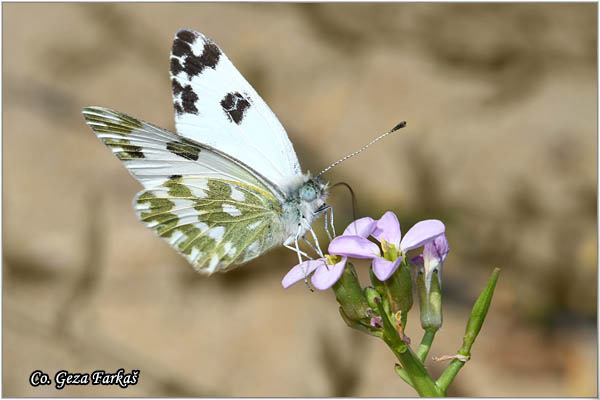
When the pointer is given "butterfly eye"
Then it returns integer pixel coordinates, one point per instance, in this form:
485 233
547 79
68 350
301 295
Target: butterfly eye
308 193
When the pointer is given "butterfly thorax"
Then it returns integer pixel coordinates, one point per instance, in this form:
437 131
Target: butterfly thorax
304 195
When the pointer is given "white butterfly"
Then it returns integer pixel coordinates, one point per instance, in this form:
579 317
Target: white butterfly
227 186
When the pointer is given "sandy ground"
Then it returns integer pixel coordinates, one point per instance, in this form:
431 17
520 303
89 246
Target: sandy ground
501 104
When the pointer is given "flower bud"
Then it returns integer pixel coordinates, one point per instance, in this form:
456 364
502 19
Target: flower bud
350 295
430 301
371 294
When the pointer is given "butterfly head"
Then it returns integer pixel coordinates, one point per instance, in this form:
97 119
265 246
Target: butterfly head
313 192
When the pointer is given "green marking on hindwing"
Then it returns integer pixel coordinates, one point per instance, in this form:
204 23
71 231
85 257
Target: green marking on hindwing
158 212
195 238
218 189
214 223
178 189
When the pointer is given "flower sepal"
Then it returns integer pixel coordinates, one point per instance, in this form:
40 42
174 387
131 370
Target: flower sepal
382 290
399 290
377 284
396 291
350 295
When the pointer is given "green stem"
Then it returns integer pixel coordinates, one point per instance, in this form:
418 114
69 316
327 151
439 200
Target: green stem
402 374
417 374
478 314
425 345
414 368
449 373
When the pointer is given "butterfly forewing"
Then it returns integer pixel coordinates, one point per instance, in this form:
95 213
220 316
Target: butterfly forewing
152 154
215 105
212 209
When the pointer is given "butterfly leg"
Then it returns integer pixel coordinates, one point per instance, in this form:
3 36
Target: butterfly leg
312 246
297 251
327 226
318 249
306 282
296 248
331 220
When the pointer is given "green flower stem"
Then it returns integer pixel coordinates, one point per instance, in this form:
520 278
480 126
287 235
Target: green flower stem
478 314
402 374
425 345
390 334
414 368
418 375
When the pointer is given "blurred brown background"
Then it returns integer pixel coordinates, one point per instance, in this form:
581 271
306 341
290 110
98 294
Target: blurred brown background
501 103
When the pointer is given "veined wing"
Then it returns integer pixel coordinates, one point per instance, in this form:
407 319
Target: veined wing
211 208
214 223
153 155
215 105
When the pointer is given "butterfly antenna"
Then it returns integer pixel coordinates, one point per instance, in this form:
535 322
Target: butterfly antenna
372 142
354 207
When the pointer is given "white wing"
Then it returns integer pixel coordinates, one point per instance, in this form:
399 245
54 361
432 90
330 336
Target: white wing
215 105
212 209
153 155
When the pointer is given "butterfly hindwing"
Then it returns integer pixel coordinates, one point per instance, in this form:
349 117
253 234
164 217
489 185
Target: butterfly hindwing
213 223
215 105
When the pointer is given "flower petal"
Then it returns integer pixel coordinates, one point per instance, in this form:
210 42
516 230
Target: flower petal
326 275
376 322
388 228
421 233
353 246
434 254
361 227
418 260
438 248
301 271
383 268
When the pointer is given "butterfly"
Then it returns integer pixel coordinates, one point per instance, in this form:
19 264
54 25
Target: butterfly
227 186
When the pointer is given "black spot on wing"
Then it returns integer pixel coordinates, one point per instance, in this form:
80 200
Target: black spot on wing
185 150
188 100
176 67
181 48
194 65
186 36
235 106
177 88
178 108
188 61
186 103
